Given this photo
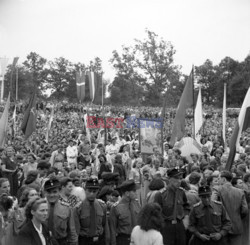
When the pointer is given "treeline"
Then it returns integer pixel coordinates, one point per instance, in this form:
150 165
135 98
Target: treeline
145 73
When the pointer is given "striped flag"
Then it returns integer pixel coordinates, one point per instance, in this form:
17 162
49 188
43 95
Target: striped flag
242 124
198 115
224 117
186 101
29 120
49 124
4 122
80 85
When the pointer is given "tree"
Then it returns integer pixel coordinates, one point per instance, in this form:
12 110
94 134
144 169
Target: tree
35 65
61 75
207 77
148 64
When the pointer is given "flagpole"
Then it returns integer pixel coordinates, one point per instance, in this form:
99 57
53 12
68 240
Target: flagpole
102 90
16 83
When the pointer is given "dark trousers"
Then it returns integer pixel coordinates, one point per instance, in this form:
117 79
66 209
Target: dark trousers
196 241
173 234
90 241
62 241
123 239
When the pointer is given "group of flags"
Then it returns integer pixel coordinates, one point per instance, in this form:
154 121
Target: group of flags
92 81
95 84
187 101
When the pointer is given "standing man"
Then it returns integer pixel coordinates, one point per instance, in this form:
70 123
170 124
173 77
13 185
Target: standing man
60 219
175 210
124 214
234 201
90 217
208 220
72 153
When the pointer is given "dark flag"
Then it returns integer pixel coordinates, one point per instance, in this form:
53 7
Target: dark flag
29 120
186 101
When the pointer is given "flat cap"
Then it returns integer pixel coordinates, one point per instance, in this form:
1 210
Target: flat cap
204 190
174 172
92 183
52 184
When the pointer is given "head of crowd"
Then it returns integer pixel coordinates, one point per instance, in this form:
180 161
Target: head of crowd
74 164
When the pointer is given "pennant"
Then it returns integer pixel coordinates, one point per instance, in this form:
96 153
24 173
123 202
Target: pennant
49 124
29 120
92 83
186 101
80 85
224 117
4 122
198 115
242 124
98 89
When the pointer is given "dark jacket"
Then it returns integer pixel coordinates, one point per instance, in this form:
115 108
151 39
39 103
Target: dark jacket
234 201
29 236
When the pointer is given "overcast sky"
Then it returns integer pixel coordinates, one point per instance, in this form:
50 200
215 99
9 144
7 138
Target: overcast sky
80 30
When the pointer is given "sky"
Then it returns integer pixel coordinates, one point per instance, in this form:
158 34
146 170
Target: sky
81 30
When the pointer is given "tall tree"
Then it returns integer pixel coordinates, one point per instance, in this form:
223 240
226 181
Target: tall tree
60 76
149 64
35 65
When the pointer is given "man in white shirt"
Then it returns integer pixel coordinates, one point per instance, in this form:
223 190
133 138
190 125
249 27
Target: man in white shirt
72 153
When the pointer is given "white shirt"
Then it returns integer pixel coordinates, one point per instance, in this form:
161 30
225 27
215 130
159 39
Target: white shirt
71 151
141 237
40 233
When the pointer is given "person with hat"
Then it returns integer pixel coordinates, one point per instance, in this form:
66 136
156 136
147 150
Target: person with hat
209 221
60 216
175 209
124 214
90 217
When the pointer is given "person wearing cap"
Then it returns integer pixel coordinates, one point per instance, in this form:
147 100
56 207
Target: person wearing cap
234 201
175 209
72 152
209 221
60 219
124 214
90 217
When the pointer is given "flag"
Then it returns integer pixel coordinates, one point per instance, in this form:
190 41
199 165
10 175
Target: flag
242 124
4 122
92 84
98 89
186 101
224 117
85 117
80 85
49 125
198 115
29 120
14 122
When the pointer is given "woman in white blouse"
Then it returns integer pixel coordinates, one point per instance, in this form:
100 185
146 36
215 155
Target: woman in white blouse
150 221
33 231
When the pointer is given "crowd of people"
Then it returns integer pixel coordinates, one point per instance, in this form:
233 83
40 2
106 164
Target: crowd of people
79 187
